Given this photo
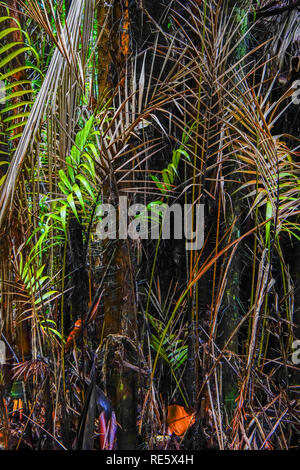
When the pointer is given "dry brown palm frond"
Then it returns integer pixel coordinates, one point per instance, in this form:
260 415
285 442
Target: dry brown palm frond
57 70
273 173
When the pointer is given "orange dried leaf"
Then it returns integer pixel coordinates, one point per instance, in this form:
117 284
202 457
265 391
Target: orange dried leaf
179 420
74 334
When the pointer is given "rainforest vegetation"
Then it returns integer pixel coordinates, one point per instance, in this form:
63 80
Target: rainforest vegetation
140 343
